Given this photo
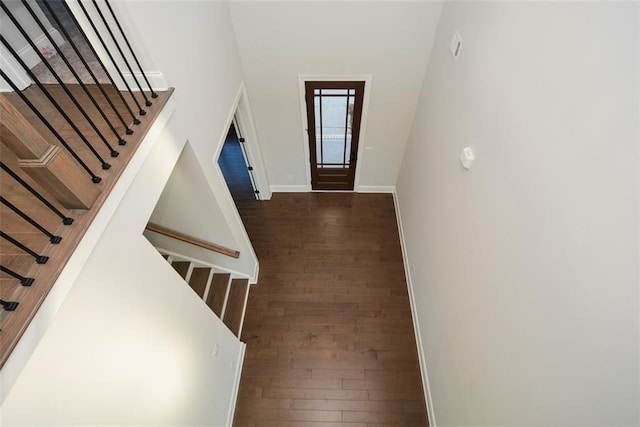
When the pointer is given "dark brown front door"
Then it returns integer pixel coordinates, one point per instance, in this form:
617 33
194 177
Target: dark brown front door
334 112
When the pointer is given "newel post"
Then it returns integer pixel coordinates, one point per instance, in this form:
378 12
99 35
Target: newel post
49 165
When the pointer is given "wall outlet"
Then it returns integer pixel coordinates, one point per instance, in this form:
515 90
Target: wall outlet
216 350
290 178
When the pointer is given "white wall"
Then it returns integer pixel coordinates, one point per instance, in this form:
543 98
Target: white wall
131 343
526 266
198 57
280 40
187 206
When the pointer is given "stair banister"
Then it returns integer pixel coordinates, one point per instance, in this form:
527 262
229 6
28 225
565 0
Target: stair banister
50 166
192 240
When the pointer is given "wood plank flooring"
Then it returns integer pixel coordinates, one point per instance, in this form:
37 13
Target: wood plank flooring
328 326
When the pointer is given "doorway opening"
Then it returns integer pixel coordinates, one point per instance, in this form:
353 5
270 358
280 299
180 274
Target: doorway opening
334 115
235 167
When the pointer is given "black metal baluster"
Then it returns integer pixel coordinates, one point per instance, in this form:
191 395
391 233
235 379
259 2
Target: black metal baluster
62 56
241 142
51 99
115 41
65 220
24 281
115 64
52 238
9 305
95 54
55 75
61 110
135 58
73 45
40 259
94 178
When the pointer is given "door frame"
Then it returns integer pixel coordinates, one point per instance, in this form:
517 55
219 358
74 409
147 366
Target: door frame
302 79
243 119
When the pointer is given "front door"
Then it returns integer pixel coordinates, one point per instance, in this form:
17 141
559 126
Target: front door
334 112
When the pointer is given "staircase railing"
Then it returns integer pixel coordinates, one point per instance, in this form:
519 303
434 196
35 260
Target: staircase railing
225 292
192 240
62 139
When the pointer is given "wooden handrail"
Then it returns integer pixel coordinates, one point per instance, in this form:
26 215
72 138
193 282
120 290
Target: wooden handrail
192 240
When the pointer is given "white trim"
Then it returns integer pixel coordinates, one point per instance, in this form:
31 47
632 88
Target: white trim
246 126
175 256
156 80
207 288
226 300
291 188
414 315
234 394
65 281
376 189
228 199
13 70
244 310
368 79
253 280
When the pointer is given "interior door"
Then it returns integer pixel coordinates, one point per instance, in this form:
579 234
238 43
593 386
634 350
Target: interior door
334 112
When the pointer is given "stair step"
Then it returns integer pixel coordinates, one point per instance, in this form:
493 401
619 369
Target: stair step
182 267
199 279
218 292
234 310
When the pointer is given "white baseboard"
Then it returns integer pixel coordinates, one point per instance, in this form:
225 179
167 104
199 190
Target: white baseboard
376 189
14 72
290 188
414 315
360 189
234 396
156 79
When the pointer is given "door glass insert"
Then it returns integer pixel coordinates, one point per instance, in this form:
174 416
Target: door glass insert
333 130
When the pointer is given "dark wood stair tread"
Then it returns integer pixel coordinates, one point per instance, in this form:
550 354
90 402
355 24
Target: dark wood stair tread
182 267
218 292
198 280
235 305
223 288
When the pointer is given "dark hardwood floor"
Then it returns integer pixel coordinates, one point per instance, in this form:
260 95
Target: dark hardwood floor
328 327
